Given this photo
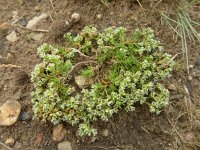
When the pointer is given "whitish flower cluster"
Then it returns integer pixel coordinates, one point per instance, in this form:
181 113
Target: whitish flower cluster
127 70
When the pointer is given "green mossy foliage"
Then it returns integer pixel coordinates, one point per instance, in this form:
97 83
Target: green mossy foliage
127 70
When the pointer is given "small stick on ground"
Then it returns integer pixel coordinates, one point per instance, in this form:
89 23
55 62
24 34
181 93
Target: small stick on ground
181 138
175 56
53 7
77 65
81 54
105 3
7 147
140 4
188 104
9 66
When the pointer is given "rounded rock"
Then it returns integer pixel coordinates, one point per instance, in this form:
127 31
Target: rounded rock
65 145
10 141
75 17
99 16
59 132
9 112
67 23
172 87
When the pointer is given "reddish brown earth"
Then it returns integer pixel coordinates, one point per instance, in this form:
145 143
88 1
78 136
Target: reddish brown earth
176 128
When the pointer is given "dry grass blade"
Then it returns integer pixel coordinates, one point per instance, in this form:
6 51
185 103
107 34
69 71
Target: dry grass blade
183 26
7 147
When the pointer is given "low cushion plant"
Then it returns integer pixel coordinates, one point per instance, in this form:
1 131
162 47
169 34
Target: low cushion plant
123 69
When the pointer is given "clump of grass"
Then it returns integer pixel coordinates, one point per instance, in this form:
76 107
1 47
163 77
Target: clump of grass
184 27
129 70
88 72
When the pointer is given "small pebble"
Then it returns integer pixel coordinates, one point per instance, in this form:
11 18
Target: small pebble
67 23
12 37
172 87
10 141
83 82
99 16
105 132
75 17
23 22
10 58
37 8
18 146
191 66
36 36
65 145
189 137
24 116
190 78
59 132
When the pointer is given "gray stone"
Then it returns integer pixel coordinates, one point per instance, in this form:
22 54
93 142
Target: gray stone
65 145
12 37
23 22
24 116
36 36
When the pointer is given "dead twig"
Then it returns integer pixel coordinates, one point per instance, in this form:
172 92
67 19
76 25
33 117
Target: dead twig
53 7
7 147
78 65
140 4
81 54
105 3
188 104
175 56
181 138
106 148
9 66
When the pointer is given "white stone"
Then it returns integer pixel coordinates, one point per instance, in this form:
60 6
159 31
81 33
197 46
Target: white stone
35 20
75 17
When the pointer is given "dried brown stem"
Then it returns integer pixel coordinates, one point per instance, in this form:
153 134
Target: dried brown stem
78 65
